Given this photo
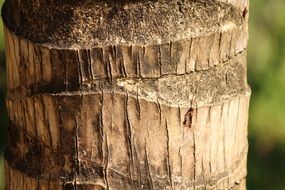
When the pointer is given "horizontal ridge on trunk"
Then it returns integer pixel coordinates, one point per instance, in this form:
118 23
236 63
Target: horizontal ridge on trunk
35 69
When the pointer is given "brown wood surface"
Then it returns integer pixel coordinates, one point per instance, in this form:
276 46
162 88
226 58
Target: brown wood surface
126 94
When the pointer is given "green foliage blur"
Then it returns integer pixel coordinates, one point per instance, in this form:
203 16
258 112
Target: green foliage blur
266 75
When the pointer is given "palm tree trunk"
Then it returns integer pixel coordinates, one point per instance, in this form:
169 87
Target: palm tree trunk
126 94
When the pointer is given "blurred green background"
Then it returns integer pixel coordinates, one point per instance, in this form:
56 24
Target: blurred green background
266 74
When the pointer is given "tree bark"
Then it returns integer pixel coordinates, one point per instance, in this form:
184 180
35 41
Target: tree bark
126 94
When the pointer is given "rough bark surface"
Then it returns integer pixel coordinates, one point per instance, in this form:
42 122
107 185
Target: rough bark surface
126 94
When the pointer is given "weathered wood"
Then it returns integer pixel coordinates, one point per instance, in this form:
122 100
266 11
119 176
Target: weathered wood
126 94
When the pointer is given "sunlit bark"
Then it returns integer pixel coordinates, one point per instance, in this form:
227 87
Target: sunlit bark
126 94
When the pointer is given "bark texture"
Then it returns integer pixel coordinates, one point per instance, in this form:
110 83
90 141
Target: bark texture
126 94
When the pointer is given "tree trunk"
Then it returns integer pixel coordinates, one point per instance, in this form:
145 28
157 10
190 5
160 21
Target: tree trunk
126 94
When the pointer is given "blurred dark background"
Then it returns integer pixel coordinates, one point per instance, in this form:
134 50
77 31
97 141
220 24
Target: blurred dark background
266 74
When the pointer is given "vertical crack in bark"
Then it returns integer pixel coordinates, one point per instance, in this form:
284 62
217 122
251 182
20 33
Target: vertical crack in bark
77 162
138 106
104 141
112 100
148 171
179 115
138 67
129 136
220 45
25 118
203 172
27 66
170 55
39 57
181 162
210 127
159 111
226 164
106 161
104 151
65 72
222 120
194 150
141 56
110 65
130 52
137 163
89 60
189 69
231 43
159 60
188 118
168 165
37 141
122 64
79 67
236 140
46 123
60 125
